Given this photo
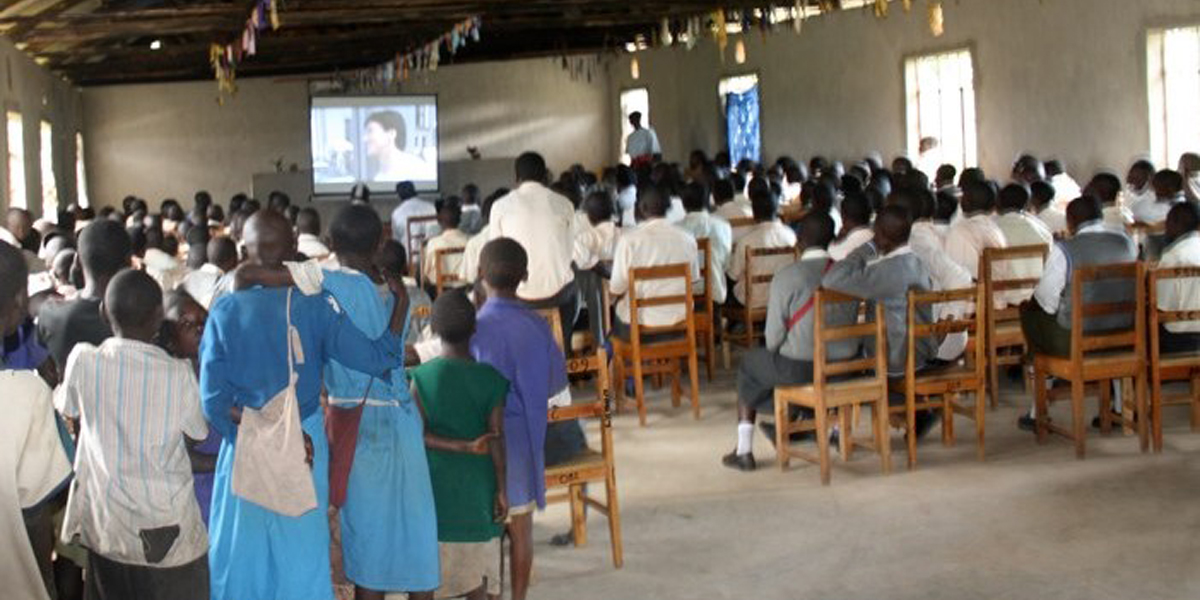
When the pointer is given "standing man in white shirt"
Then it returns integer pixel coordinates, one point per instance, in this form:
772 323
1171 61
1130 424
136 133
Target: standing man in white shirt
642 143
543 222
655 242
1183 250
969 236
767 232
716 230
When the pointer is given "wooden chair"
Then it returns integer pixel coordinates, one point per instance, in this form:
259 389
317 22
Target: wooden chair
942 389
1098 356
1171 367
758 282
706 318
444 279
658 357
838 386
416 228
1004 339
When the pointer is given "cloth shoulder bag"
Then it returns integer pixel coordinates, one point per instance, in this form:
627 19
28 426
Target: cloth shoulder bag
269 467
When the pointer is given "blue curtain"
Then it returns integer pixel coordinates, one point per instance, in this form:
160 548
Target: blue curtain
741 123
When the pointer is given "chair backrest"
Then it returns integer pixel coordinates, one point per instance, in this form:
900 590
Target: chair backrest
596 365
416 241
973 325
682 273
554 319
1159 317
994 286
1083 341
759 277
1140 230
792 214
446 276
704 248
825 333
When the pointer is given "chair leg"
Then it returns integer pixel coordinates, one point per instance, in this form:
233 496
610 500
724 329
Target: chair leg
1078 427
979 419
1129 403
910 426
614 517
1195 390
782 456
578 516
710 358
639 390
823 441
1156 409
845 444
694 382
1042 404
1143 415
618 384
676 389
948 402
883 441
993 378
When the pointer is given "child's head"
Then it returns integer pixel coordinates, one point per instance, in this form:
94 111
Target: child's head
308 221
1167 184
14 289
449 213
599 207
355 231
504 265
133 304
947 205
1041 194
391 259
63 264
722 191
183 326
453 317
695 197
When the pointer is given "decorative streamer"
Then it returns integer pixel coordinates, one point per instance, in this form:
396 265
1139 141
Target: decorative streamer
881 8
426 57
937 20
225 58
719 32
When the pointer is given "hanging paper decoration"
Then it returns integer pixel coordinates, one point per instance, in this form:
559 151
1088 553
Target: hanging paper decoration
907 5
720 33
225 58
739 51
798 16
425 57
881 8
937 21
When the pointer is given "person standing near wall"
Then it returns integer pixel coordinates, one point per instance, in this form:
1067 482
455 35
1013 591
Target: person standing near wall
642 143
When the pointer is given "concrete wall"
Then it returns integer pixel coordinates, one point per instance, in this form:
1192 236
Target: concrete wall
1063 78
39 95
169 140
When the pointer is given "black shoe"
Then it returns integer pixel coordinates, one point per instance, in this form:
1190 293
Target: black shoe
768 429
925 422
563 539
741 462
1027 423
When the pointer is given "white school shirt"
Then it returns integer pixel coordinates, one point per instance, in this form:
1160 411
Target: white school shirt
201 284
1021 229
1066 189
1181 293
945 274
842 248
653 243
967 239
642 142
413 207
33 466
312 246
1154 211
543 222
719 234
135 405
1118 217
1054 219
451 263
167 270
595 243
627 201
1054 275
738 208
468 268
763 235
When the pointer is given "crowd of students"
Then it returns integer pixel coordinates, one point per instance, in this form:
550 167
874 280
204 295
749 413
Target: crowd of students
169 337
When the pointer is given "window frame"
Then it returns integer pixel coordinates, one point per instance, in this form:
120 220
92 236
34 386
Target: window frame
22 200
43 153
911 139
1156 98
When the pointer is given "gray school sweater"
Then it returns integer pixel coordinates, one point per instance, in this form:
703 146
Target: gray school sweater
791 290
888 279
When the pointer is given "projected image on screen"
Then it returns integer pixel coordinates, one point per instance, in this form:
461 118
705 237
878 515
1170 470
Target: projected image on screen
375 140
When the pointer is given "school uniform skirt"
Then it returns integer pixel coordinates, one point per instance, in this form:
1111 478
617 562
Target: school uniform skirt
257 554
389 524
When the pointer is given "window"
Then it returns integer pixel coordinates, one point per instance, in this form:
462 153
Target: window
1173 61
633 100
49 184
739 104
940 110
81 190
16 161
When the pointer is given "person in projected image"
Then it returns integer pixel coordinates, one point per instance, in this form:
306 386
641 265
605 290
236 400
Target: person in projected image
384 137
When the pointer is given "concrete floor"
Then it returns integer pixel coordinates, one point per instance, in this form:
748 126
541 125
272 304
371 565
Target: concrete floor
1030 522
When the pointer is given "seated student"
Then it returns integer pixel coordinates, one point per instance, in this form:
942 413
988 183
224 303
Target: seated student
787 358
885 270
1041 203
33 463
1020 229
944 177
716 230
1189 170
308 234
149 539
1182 250
596 242
969 236
856 226
472 214
1106 187
1137 183
259 554
1065 186
1046 318
468 269
625 183
205 283
463 405
1168 191
655 242
104 249
732 203
392 262
158 262
945 210
449 217
823 198
518 343
767 232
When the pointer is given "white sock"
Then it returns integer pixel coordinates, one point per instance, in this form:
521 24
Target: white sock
745 443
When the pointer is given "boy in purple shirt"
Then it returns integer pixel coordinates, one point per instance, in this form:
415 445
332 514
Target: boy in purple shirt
518 343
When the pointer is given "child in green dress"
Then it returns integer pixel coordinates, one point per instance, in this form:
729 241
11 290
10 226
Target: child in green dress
463 402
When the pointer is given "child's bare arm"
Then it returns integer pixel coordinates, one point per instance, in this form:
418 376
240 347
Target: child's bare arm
496 427
433 441
248 276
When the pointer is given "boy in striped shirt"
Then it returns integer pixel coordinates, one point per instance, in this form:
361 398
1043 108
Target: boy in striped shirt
132 503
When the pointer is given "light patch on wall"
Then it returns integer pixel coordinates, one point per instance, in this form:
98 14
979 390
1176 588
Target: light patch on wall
16 160
739 52
635 70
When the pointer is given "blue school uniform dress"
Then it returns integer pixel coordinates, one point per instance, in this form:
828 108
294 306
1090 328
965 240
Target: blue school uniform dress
389 525
254 553
517 342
